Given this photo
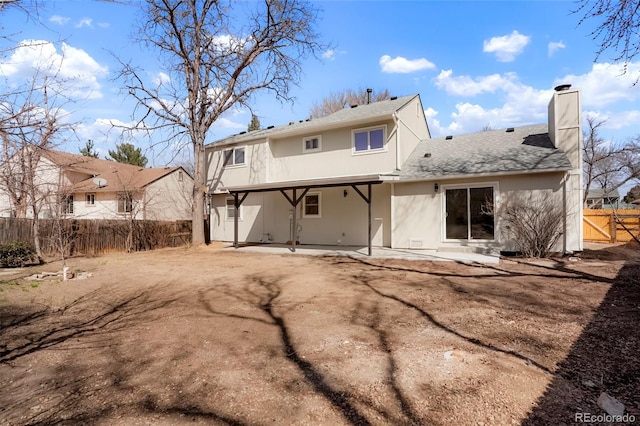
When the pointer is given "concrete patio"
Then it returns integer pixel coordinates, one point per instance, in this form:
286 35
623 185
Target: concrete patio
377 253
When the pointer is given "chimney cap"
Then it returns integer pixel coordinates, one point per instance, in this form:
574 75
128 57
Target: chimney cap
562 87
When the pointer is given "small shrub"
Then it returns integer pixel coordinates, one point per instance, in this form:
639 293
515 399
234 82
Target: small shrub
17 254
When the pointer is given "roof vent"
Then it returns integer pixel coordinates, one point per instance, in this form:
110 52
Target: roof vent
393 98
510 130
449 137
562 87
354 106
270 127
427 154
242 133
290 123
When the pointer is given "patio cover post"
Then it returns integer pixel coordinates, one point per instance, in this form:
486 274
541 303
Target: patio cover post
367 199
294 232
237 202
235 220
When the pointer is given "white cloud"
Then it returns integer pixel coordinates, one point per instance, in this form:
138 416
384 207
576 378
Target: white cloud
606 84
60 20
71 67
85 22
161 78
468 86
554 46
506 47
403 65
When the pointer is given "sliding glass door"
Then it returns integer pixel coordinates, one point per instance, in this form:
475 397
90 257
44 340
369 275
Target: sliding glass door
469 213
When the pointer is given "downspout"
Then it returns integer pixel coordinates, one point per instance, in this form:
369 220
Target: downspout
564 212
396 120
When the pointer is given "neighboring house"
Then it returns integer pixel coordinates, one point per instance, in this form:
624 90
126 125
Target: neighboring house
371 175
75 186
598 199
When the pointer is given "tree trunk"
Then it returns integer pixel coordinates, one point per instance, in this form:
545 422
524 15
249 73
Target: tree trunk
199 190
36 236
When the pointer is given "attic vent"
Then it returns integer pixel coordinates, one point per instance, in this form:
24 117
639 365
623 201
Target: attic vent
270 127
510 130
427 155
449 137
393 98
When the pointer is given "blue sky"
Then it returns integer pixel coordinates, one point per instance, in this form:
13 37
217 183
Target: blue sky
474 64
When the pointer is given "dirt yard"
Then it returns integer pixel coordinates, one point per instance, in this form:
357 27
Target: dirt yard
212 336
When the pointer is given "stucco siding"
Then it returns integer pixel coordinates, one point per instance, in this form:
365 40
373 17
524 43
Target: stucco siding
418 211
336 156
253 171
266 217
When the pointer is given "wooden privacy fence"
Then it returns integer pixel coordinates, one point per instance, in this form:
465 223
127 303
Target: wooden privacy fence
94 237
605 226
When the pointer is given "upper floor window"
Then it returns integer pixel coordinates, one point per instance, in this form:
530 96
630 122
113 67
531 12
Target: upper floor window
90 199
370 139
234 157
312 143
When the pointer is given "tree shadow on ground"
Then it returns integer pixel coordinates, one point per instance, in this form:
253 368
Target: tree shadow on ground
603 359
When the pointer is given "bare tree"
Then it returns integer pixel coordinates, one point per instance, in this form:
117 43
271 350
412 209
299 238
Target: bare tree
336 101
218 55
32 118
617 28
533 224
607 164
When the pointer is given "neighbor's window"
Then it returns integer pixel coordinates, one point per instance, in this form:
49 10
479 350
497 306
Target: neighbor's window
90 199
125 203
312 143
68 204
371 139
231 209
311 205
469 213
234 156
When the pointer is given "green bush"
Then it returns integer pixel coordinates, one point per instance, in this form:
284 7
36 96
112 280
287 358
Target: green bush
17 254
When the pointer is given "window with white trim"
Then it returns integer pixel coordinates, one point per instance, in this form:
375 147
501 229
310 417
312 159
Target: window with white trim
312 144
231 209
369 139
90 199
68 204
311 205
234 157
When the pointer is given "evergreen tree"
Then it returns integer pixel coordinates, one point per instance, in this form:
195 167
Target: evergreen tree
89 150
255 123
129 154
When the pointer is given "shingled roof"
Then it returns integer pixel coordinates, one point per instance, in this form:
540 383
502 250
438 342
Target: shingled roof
343 117
118 176
516 150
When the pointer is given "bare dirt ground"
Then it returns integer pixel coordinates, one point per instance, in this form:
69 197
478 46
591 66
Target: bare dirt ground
212 336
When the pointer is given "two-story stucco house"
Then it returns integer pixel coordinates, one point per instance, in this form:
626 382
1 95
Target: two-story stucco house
74 186
372 175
